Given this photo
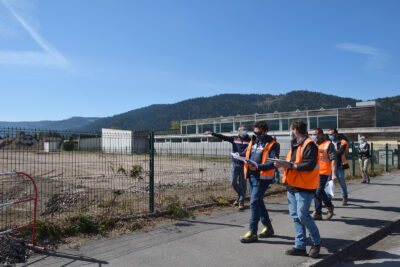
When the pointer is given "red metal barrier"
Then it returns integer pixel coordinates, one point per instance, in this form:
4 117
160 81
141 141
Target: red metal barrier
33 224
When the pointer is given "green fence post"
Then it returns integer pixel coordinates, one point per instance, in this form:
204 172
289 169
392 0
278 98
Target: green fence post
392 157
398 156
387 157
353 153
151 182
372 157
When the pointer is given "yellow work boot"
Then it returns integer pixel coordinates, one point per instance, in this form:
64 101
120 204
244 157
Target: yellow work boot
249 237
267 231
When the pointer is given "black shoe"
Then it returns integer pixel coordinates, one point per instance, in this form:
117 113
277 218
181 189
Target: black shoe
249 237
268 231
296 252
314 251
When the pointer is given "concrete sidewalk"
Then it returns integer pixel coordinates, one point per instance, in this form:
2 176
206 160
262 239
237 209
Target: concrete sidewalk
213 240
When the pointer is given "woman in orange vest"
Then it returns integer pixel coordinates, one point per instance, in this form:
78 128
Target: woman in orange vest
327 163
261 147
302 177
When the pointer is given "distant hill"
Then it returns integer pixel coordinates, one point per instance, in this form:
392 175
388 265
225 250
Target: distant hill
73 123
160 116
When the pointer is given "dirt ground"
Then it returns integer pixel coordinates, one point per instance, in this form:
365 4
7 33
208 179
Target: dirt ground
96 183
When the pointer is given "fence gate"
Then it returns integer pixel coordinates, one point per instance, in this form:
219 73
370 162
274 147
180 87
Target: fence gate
34 199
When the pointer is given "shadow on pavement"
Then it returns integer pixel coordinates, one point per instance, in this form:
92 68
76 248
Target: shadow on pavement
192 222
73 258
361 221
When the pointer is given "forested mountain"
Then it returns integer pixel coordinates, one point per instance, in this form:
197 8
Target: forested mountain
160 116
73 123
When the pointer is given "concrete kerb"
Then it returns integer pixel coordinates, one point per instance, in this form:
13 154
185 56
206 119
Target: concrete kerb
355 249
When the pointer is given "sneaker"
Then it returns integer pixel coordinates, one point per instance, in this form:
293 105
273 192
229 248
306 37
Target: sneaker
344 201
316 216
329 215
241 206
249 237
314 251
236 203
296 252
267 231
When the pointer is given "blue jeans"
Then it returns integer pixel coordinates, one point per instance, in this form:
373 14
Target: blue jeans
257 206
320 194
237 171
299 210
277 179
342 182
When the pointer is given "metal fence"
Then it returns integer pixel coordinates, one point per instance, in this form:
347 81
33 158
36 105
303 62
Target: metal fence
119 173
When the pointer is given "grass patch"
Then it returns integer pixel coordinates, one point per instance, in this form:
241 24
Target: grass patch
176 209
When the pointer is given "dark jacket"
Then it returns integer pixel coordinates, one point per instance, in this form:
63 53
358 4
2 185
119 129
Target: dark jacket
256 153
363 152
340 150
310 159
239 145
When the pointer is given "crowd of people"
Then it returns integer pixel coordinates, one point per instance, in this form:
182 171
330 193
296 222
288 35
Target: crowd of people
312 162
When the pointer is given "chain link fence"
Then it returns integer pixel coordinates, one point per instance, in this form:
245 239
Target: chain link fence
122 173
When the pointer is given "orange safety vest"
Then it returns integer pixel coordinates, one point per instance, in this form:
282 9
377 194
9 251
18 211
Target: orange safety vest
325 164
301 179
343 157
264 175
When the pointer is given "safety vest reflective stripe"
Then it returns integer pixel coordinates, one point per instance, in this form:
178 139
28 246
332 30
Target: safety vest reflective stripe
302 179
324 161
264 175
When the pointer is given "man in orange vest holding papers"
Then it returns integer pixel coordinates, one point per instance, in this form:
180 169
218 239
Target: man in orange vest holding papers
260 176
327 164
302 177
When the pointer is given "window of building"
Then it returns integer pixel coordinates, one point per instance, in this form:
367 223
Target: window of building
206 127
273 125
226 127
313 123
194 140
191 129
327 122
285 124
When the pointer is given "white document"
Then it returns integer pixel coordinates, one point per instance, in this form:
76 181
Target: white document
245 160
330 188
279 160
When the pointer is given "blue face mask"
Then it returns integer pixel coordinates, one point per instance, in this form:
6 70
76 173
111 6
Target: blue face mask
331 137
244 133
314 138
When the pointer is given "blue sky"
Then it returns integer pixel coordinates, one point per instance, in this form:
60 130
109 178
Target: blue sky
97 58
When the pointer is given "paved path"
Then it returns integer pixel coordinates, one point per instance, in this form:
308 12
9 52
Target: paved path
213 240
384 253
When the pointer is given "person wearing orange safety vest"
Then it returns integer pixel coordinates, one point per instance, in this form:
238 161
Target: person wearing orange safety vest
327 164
260 176
341 147
301 174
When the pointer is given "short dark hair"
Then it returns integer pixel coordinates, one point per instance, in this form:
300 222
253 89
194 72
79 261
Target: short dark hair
300 126
320 131
261 125
334 130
